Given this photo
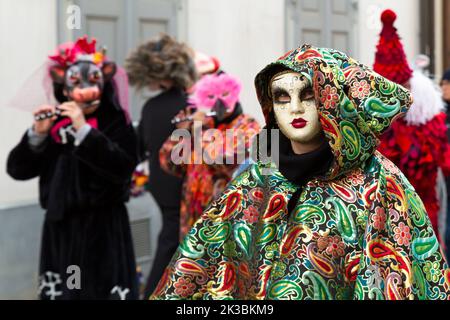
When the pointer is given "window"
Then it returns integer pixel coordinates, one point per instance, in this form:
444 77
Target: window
321 23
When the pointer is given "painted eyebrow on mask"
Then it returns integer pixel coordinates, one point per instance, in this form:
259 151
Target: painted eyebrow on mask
278 91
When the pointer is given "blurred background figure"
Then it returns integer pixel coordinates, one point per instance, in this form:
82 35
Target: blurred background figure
207 170
417 143
166 69
83 151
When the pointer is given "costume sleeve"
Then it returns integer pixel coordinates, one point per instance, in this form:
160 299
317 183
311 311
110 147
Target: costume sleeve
401 258
37 142
26 161
233 144
165 157
207 261
216 147
111 154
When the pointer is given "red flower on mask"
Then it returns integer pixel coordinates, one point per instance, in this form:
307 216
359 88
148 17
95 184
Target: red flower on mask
69 52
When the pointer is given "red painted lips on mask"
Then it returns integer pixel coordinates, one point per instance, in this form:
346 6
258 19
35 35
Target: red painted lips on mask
299 123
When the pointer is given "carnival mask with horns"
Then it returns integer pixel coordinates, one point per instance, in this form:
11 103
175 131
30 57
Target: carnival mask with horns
82 71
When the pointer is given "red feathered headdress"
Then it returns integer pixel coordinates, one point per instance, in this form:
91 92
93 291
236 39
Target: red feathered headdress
390 58
68 53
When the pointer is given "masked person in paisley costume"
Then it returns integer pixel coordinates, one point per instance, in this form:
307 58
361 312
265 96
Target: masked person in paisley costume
334 219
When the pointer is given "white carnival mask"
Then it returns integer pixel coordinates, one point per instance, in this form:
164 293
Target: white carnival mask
295 107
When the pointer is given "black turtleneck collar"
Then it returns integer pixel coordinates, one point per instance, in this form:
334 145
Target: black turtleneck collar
300 168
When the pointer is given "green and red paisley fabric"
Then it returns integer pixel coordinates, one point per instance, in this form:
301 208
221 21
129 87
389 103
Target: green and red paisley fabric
358 232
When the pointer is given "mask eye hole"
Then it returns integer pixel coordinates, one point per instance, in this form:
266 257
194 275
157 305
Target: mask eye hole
73 77
211 97
307 94
225 94
74 80
281 96
94 77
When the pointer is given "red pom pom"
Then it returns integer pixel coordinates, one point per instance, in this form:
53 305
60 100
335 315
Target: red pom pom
388 17
390 58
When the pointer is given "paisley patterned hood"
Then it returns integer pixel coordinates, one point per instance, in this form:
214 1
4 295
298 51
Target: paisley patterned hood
355 104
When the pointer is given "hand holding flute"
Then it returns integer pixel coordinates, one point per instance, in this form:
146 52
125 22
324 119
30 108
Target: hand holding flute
185 118
42 125
189 115
46 115
179 118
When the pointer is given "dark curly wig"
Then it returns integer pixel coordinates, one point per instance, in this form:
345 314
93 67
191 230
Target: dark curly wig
161 59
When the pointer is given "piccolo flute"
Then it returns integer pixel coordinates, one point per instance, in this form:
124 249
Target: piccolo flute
190 118
218 111
49 114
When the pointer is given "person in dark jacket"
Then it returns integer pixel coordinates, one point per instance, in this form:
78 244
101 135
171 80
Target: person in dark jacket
83 152
166 68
